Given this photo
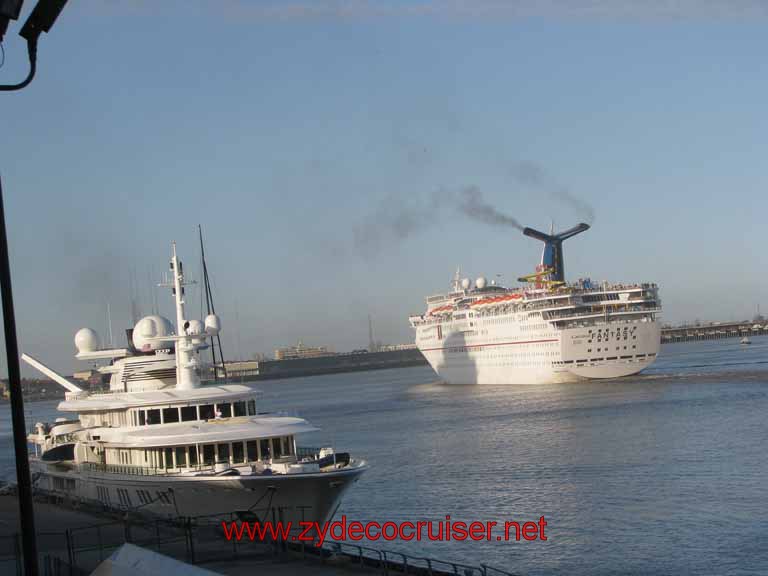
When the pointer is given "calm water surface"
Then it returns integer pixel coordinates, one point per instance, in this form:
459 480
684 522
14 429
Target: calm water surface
664 473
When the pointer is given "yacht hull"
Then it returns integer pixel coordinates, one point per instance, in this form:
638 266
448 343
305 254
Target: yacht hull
287 497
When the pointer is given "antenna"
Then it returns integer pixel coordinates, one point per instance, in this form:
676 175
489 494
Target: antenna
109 325
152 291
134 305
211 309
371 343
187 365
237 327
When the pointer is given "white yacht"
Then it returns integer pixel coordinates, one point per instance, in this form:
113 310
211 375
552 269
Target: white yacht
162 443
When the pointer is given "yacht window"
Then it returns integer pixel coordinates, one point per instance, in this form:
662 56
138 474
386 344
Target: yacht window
169 457
239 408
153 417
188 413
289 445
142 418
159 454
206 412
252 450
251 407
209 453
170 415
223 450
266 453
277 443
181 457
237 452
193 455
225 409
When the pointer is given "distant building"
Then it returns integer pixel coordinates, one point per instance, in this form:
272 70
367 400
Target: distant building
239 369
84 375
395 347
301 351
34 389
94 379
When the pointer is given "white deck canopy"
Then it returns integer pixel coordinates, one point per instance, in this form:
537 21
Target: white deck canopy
204 432
117 401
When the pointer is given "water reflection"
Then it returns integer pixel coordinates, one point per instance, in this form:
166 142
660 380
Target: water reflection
657 473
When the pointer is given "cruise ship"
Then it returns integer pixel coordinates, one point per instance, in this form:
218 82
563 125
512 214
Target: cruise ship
546 331
160 442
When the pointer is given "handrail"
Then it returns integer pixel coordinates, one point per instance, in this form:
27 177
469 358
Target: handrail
380 556
133 470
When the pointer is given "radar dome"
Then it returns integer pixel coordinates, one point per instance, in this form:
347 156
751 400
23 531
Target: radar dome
86 340
194 327
148 329
466 283
212 324
481 282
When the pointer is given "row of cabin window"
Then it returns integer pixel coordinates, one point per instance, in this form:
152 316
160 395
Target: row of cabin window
231 453
192 413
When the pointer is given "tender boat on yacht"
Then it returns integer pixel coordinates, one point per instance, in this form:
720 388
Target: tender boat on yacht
161 442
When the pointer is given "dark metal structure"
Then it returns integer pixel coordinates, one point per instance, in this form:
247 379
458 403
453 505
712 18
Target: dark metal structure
26 509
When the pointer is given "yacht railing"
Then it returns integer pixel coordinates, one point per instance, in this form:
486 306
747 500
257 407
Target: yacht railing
302 453
131 470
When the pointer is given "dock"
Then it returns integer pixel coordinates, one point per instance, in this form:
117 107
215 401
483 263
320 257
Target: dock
712 331
74 539
254 370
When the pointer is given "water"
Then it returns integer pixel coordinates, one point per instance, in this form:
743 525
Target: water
663 473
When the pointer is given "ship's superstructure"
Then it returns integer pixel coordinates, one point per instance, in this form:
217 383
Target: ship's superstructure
162 443
547 331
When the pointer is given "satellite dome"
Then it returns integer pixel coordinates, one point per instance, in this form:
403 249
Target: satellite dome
86 340
480 282
212 324
194 327
149 328
466 283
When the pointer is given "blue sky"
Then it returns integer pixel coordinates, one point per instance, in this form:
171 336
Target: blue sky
287 128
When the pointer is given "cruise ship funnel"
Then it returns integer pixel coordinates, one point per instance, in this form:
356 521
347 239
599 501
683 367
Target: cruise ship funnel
552 257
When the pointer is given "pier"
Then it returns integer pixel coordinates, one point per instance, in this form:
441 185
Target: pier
713 331
74 538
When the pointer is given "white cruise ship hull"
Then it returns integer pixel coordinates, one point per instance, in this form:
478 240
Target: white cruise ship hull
287 497
519 355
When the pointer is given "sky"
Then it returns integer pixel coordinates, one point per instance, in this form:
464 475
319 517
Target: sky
325 148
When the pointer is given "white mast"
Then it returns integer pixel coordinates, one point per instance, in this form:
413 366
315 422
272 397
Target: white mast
187 365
